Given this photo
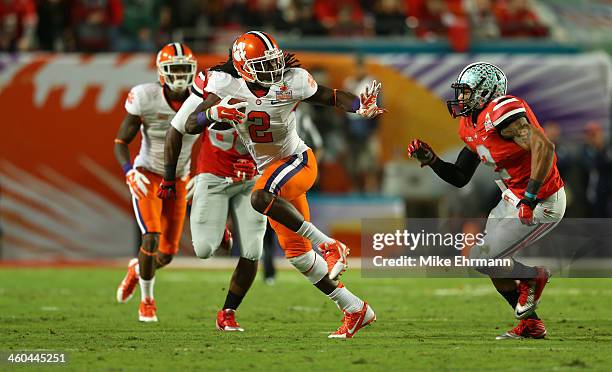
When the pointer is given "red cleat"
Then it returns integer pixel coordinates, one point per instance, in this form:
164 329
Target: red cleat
226 321
530 292
146 311
351 323
335 255
527 328
126 288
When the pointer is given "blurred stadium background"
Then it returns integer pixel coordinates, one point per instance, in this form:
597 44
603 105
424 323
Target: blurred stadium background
66 67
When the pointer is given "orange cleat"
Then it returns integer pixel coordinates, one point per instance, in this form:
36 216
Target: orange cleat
226 321
351 323
146 311
126 288
335 255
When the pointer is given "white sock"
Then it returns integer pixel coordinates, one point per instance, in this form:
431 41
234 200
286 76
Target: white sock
316 237
346 300
146 288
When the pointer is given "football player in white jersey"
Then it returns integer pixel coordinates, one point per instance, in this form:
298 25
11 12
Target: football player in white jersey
256 91
150 108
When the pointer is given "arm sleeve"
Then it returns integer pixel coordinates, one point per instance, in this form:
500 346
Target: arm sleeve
189 106
460 173
132 102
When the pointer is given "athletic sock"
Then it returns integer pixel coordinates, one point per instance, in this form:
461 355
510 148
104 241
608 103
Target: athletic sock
146 288
310 232
232 301
511 296
346 300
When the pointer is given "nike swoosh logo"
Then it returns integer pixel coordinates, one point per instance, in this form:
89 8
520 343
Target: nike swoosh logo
521 310
358 322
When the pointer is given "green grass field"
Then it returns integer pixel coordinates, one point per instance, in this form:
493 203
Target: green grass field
423 324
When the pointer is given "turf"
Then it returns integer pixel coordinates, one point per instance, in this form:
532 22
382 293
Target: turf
423 324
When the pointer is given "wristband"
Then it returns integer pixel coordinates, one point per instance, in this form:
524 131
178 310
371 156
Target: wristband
532 189
202 119
356 105
126 167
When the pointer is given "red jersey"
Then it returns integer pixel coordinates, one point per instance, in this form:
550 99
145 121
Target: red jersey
220 148
510 160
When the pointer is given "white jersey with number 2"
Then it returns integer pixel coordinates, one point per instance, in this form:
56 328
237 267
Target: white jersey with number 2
269 132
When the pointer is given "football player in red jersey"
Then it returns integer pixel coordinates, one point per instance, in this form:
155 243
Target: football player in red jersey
268 86
502 131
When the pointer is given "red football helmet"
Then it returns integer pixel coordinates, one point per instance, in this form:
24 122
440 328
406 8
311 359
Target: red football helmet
176 66
258 59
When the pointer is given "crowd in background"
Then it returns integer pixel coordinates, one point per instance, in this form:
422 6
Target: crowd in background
144 25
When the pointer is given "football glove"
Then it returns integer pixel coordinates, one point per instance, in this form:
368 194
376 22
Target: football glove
244 170
421 152
167 189
367 101
227 113
525 211
137 182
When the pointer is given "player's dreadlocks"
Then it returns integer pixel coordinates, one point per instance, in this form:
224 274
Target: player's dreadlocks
228 66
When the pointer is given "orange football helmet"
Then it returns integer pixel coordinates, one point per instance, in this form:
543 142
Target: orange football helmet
258 59
176 66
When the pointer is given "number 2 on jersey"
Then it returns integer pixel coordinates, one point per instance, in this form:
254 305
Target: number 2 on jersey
259 123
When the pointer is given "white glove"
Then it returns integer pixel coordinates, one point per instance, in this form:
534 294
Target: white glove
367 101
226 112
136 182
190 189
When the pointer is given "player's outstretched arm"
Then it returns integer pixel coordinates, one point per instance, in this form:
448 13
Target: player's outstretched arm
334 97
365 104
457 174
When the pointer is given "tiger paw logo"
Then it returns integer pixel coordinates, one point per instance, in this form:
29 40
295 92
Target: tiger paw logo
239 52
